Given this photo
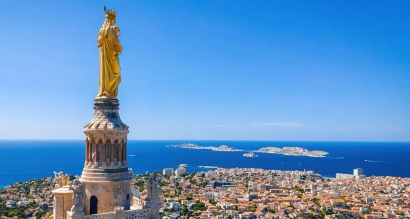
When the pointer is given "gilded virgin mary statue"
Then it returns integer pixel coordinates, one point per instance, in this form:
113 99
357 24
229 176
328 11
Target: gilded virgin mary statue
109 46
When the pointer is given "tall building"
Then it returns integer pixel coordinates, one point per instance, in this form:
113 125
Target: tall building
181 170
177 174
167 171
358 172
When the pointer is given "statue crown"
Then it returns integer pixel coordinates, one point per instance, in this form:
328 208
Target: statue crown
109 13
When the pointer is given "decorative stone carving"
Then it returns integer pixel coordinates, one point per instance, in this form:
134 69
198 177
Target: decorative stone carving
78 196
107 135
60 179
136 200
131 214
119 212
155 198
154 191
137 214
135 192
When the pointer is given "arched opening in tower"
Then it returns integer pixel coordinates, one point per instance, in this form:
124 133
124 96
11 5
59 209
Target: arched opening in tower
128 203
93 204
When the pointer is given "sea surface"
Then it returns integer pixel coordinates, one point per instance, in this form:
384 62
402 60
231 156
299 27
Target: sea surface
24 160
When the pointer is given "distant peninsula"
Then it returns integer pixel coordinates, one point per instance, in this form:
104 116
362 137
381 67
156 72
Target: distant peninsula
293 151
208 167
225 148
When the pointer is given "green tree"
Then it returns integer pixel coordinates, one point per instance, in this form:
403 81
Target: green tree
316 201
40 214
140 184
199 206
252 208
185 210
192 181
163 183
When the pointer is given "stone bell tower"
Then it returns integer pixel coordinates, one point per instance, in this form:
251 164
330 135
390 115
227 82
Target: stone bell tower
105 175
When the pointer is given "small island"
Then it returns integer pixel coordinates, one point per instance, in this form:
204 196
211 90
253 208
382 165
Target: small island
250 154
293 151
225 148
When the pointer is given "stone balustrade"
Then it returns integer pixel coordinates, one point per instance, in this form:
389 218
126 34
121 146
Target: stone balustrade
130 214
101 216
134 214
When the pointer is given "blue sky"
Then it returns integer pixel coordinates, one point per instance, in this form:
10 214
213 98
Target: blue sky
254 70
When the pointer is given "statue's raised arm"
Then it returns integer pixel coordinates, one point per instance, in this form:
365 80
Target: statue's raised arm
110 46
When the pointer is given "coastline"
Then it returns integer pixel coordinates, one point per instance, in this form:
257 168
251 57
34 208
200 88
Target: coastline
37 159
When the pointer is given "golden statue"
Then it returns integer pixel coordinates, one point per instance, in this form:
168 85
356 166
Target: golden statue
109 46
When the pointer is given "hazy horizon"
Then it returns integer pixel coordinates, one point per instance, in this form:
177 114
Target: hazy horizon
210 140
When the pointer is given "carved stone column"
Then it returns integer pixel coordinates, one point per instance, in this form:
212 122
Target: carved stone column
107 183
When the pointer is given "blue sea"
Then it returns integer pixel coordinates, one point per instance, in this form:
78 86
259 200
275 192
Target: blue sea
24 160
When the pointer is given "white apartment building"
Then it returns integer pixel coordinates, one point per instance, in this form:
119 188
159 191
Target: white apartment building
358 172
167 171
181 170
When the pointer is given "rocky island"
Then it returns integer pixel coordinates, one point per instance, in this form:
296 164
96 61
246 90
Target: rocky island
293 151
225 148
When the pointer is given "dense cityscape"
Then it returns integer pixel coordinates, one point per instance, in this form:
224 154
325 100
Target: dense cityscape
243 193
258 193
